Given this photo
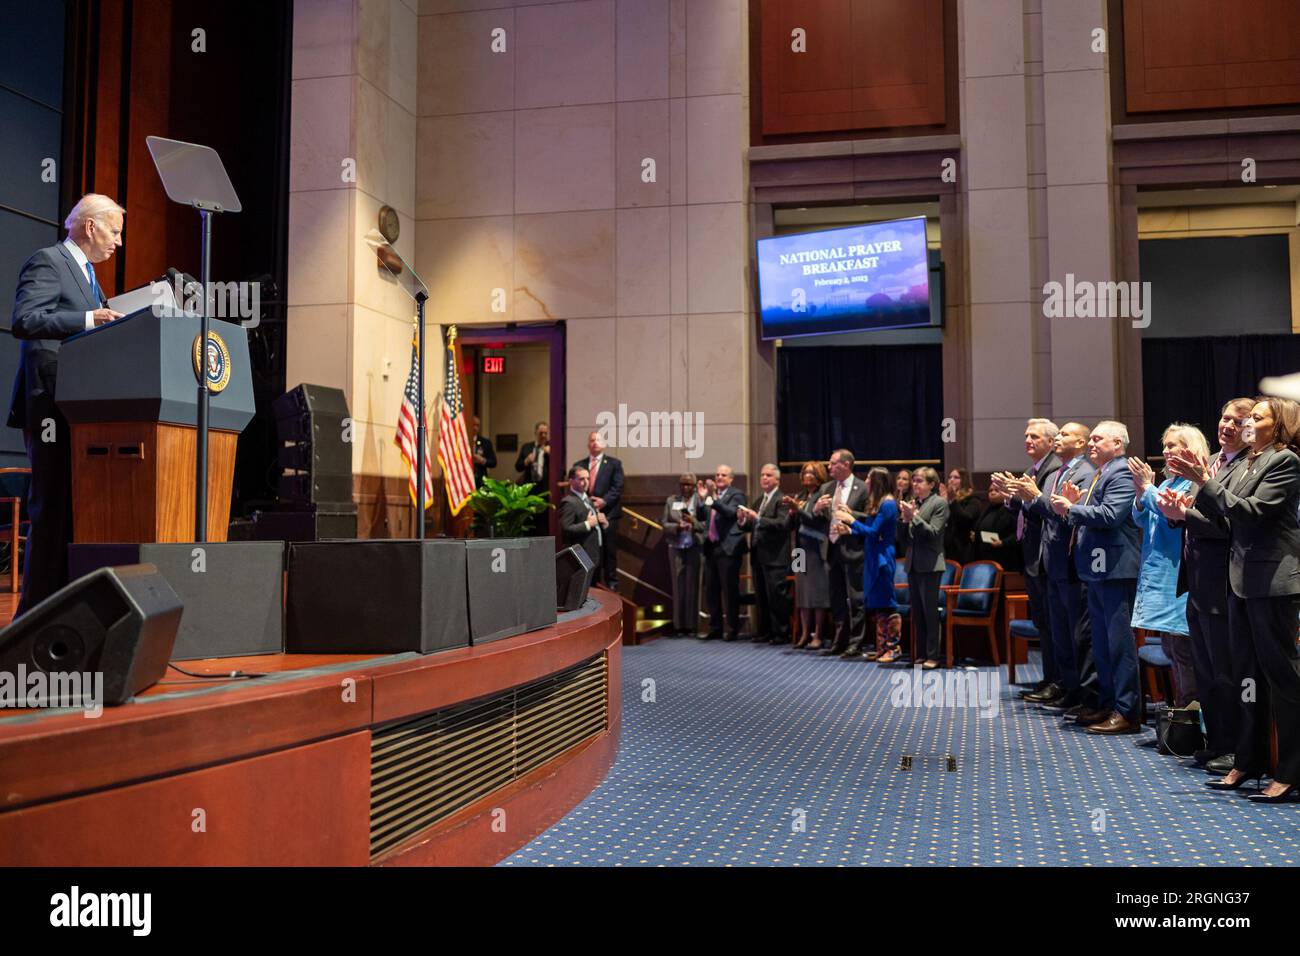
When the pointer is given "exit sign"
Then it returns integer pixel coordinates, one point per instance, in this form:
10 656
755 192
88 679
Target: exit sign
494 365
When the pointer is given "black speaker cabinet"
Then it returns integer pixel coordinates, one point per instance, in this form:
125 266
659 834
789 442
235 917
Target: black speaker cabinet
310 421
574 570
376 597
120 622
319 525
511 581
233 591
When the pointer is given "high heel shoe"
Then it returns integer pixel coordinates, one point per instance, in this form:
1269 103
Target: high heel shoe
1290 793
1221 783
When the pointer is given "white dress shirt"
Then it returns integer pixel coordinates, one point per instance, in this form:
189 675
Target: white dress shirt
81 261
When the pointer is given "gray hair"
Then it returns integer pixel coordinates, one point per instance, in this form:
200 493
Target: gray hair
90 206
1049 427
1113 430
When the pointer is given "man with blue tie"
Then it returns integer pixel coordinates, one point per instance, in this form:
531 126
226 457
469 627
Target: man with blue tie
1070 632
58 296
1107 546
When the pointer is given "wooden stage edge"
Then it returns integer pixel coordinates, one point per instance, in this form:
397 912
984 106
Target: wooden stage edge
277 771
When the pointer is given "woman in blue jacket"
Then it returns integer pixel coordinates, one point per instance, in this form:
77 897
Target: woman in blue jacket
877 527
1158 606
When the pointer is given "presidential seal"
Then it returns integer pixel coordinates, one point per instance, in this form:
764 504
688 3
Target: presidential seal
217 364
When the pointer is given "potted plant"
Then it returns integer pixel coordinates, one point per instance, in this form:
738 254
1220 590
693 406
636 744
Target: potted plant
506 508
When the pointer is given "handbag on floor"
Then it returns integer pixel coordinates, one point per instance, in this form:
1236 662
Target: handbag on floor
1178 732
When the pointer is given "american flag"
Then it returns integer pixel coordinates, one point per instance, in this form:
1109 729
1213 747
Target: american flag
406 430
453 440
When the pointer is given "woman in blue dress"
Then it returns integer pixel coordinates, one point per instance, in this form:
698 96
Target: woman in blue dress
877 527
1158 607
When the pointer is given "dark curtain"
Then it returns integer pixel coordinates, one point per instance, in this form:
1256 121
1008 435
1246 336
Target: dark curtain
880 402
1188 380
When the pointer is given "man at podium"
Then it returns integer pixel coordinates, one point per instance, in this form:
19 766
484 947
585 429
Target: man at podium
57 297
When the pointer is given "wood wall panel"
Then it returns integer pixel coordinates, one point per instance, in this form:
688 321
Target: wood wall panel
307 806
869 64
1210 54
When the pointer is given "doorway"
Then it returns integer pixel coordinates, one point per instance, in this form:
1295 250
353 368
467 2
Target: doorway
518 381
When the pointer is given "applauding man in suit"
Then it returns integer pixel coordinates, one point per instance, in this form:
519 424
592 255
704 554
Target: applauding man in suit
842 552
769 559
606 490
718 507
1107 548
58 296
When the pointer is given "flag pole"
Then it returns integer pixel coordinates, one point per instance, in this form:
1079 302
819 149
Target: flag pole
420 436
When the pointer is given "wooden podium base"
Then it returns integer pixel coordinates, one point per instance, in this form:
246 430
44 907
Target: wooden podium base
133 482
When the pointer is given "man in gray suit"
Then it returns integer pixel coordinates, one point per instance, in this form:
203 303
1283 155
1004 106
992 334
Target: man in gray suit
58 296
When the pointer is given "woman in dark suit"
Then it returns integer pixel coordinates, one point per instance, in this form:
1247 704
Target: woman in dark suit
1000 522
902 492
964 510
812 585
1259 499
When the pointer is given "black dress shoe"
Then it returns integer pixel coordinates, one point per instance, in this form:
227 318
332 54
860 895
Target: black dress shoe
711 636
759 638
1072 712
1202 757
835 650
1219 766
729 637
1050 692
1036 689
779 640
1062 704
1089 717
852 651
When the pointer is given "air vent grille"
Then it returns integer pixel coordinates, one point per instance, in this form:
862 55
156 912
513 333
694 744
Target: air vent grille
424 770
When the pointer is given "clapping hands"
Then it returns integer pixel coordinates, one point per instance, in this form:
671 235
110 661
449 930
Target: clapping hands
1185 463
1173 504
1142 474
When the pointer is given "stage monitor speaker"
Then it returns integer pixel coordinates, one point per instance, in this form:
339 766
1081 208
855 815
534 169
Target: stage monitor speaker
310 421
510 585
233 591
120 622
322 524
574 570
376 596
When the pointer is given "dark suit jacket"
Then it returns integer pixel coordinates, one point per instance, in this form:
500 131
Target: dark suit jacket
1264 541
483 447
731 536
1106 523
925 535
523 469
608 485
849 547
1054 556
572 517
1031 545
770 533
1203 572
51 304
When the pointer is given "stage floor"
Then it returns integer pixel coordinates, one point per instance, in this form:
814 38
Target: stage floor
753 755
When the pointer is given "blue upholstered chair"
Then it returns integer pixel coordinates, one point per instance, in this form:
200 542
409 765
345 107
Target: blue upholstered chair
1155 669
974 603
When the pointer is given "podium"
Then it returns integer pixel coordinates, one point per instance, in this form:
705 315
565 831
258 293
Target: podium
128 390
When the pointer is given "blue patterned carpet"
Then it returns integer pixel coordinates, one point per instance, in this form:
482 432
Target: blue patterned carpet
757 755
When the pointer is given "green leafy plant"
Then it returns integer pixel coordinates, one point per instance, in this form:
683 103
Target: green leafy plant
508 507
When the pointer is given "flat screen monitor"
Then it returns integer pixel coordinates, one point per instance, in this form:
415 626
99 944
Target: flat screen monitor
853 279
